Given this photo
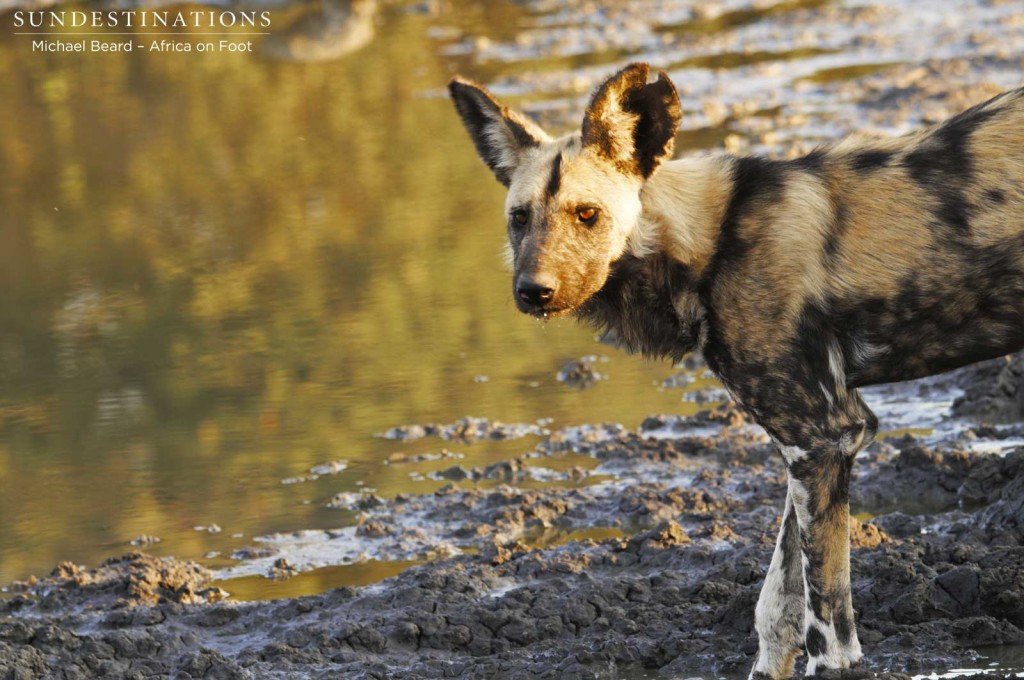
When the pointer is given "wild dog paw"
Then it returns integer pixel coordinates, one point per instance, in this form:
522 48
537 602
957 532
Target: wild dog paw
758 675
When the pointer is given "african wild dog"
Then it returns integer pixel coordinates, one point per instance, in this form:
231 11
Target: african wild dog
866 261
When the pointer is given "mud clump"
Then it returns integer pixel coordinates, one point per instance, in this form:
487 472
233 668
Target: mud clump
867 534
134 579
465 430
282 570
724 415
581 373
144 540
925 480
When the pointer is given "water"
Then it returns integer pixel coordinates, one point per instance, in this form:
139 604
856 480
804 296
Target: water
1005 660
219 270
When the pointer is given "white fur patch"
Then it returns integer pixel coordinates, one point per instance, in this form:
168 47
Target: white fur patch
508 256
834 655
865 353
643 240
853 650
791 454
778 638
679 207
502 141
836 365
851 442
799 493
829 397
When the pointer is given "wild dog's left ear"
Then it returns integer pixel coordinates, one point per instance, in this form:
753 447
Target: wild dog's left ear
500 135
633 122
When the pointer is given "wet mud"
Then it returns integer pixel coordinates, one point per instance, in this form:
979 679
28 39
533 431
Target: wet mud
691 507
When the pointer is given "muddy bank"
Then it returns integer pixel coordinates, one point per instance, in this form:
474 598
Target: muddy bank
687 510
517 586
675 596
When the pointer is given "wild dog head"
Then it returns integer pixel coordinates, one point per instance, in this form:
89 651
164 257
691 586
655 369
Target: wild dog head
573 203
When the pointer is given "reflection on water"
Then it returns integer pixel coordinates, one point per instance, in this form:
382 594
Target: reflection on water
312 582
218 270
558 536
1004 660
331 30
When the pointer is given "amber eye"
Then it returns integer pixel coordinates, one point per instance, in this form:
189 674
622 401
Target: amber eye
520 217
587 215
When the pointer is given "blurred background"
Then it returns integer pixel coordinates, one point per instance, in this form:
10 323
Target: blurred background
220 270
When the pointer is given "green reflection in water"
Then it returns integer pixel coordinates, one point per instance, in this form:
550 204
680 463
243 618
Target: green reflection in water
830 75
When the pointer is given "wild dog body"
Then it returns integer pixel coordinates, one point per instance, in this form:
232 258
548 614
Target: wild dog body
867 261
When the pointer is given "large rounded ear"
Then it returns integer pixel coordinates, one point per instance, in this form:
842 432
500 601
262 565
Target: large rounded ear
499 134
632 122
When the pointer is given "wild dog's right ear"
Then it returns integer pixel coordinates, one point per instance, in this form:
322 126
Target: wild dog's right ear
632 122
500 135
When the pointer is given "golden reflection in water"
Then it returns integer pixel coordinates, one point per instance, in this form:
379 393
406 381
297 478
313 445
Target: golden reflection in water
553 537
217 270
313 582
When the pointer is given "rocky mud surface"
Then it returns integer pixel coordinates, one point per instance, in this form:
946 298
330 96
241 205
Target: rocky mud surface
938 573
993 390
767 77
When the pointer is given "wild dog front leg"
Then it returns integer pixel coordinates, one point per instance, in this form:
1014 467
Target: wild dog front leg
819 480
780 608
819 426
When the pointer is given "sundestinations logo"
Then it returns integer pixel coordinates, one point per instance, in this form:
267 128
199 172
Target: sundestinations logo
176 30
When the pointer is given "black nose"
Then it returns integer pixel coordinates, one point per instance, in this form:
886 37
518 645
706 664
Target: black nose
535 290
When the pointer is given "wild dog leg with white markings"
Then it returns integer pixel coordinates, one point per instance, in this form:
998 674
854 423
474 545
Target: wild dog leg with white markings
780 608
806 599
819 487
819 426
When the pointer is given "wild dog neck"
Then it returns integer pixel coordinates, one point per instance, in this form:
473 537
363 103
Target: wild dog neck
650 302
684 204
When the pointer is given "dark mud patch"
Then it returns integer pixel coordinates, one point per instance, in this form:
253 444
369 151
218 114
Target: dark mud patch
916 479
